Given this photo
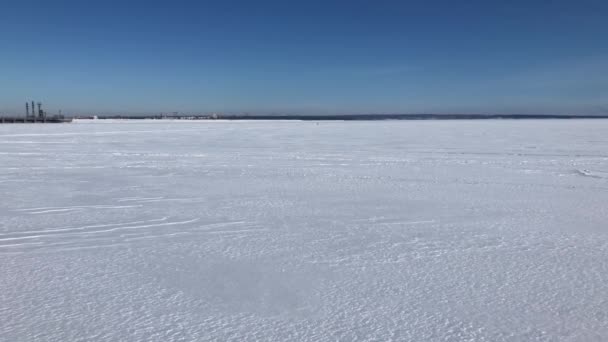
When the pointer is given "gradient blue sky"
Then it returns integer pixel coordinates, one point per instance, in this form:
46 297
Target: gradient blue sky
305 56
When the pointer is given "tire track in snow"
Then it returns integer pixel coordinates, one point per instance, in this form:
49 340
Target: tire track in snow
24 234
49 210
110 228
116 234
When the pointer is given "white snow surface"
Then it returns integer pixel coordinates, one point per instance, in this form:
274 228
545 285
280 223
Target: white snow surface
303 231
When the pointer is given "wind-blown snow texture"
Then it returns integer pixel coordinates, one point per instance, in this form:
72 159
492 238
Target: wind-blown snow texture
338 231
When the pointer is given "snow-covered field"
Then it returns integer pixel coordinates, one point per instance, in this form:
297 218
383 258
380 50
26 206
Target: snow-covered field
298 231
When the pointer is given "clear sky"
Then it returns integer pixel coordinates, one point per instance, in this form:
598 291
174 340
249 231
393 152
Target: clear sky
532 56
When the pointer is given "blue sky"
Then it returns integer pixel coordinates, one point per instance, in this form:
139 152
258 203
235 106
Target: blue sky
305 56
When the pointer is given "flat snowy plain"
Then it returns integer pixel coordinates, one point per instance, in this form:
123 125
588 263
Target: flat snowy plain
297 231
